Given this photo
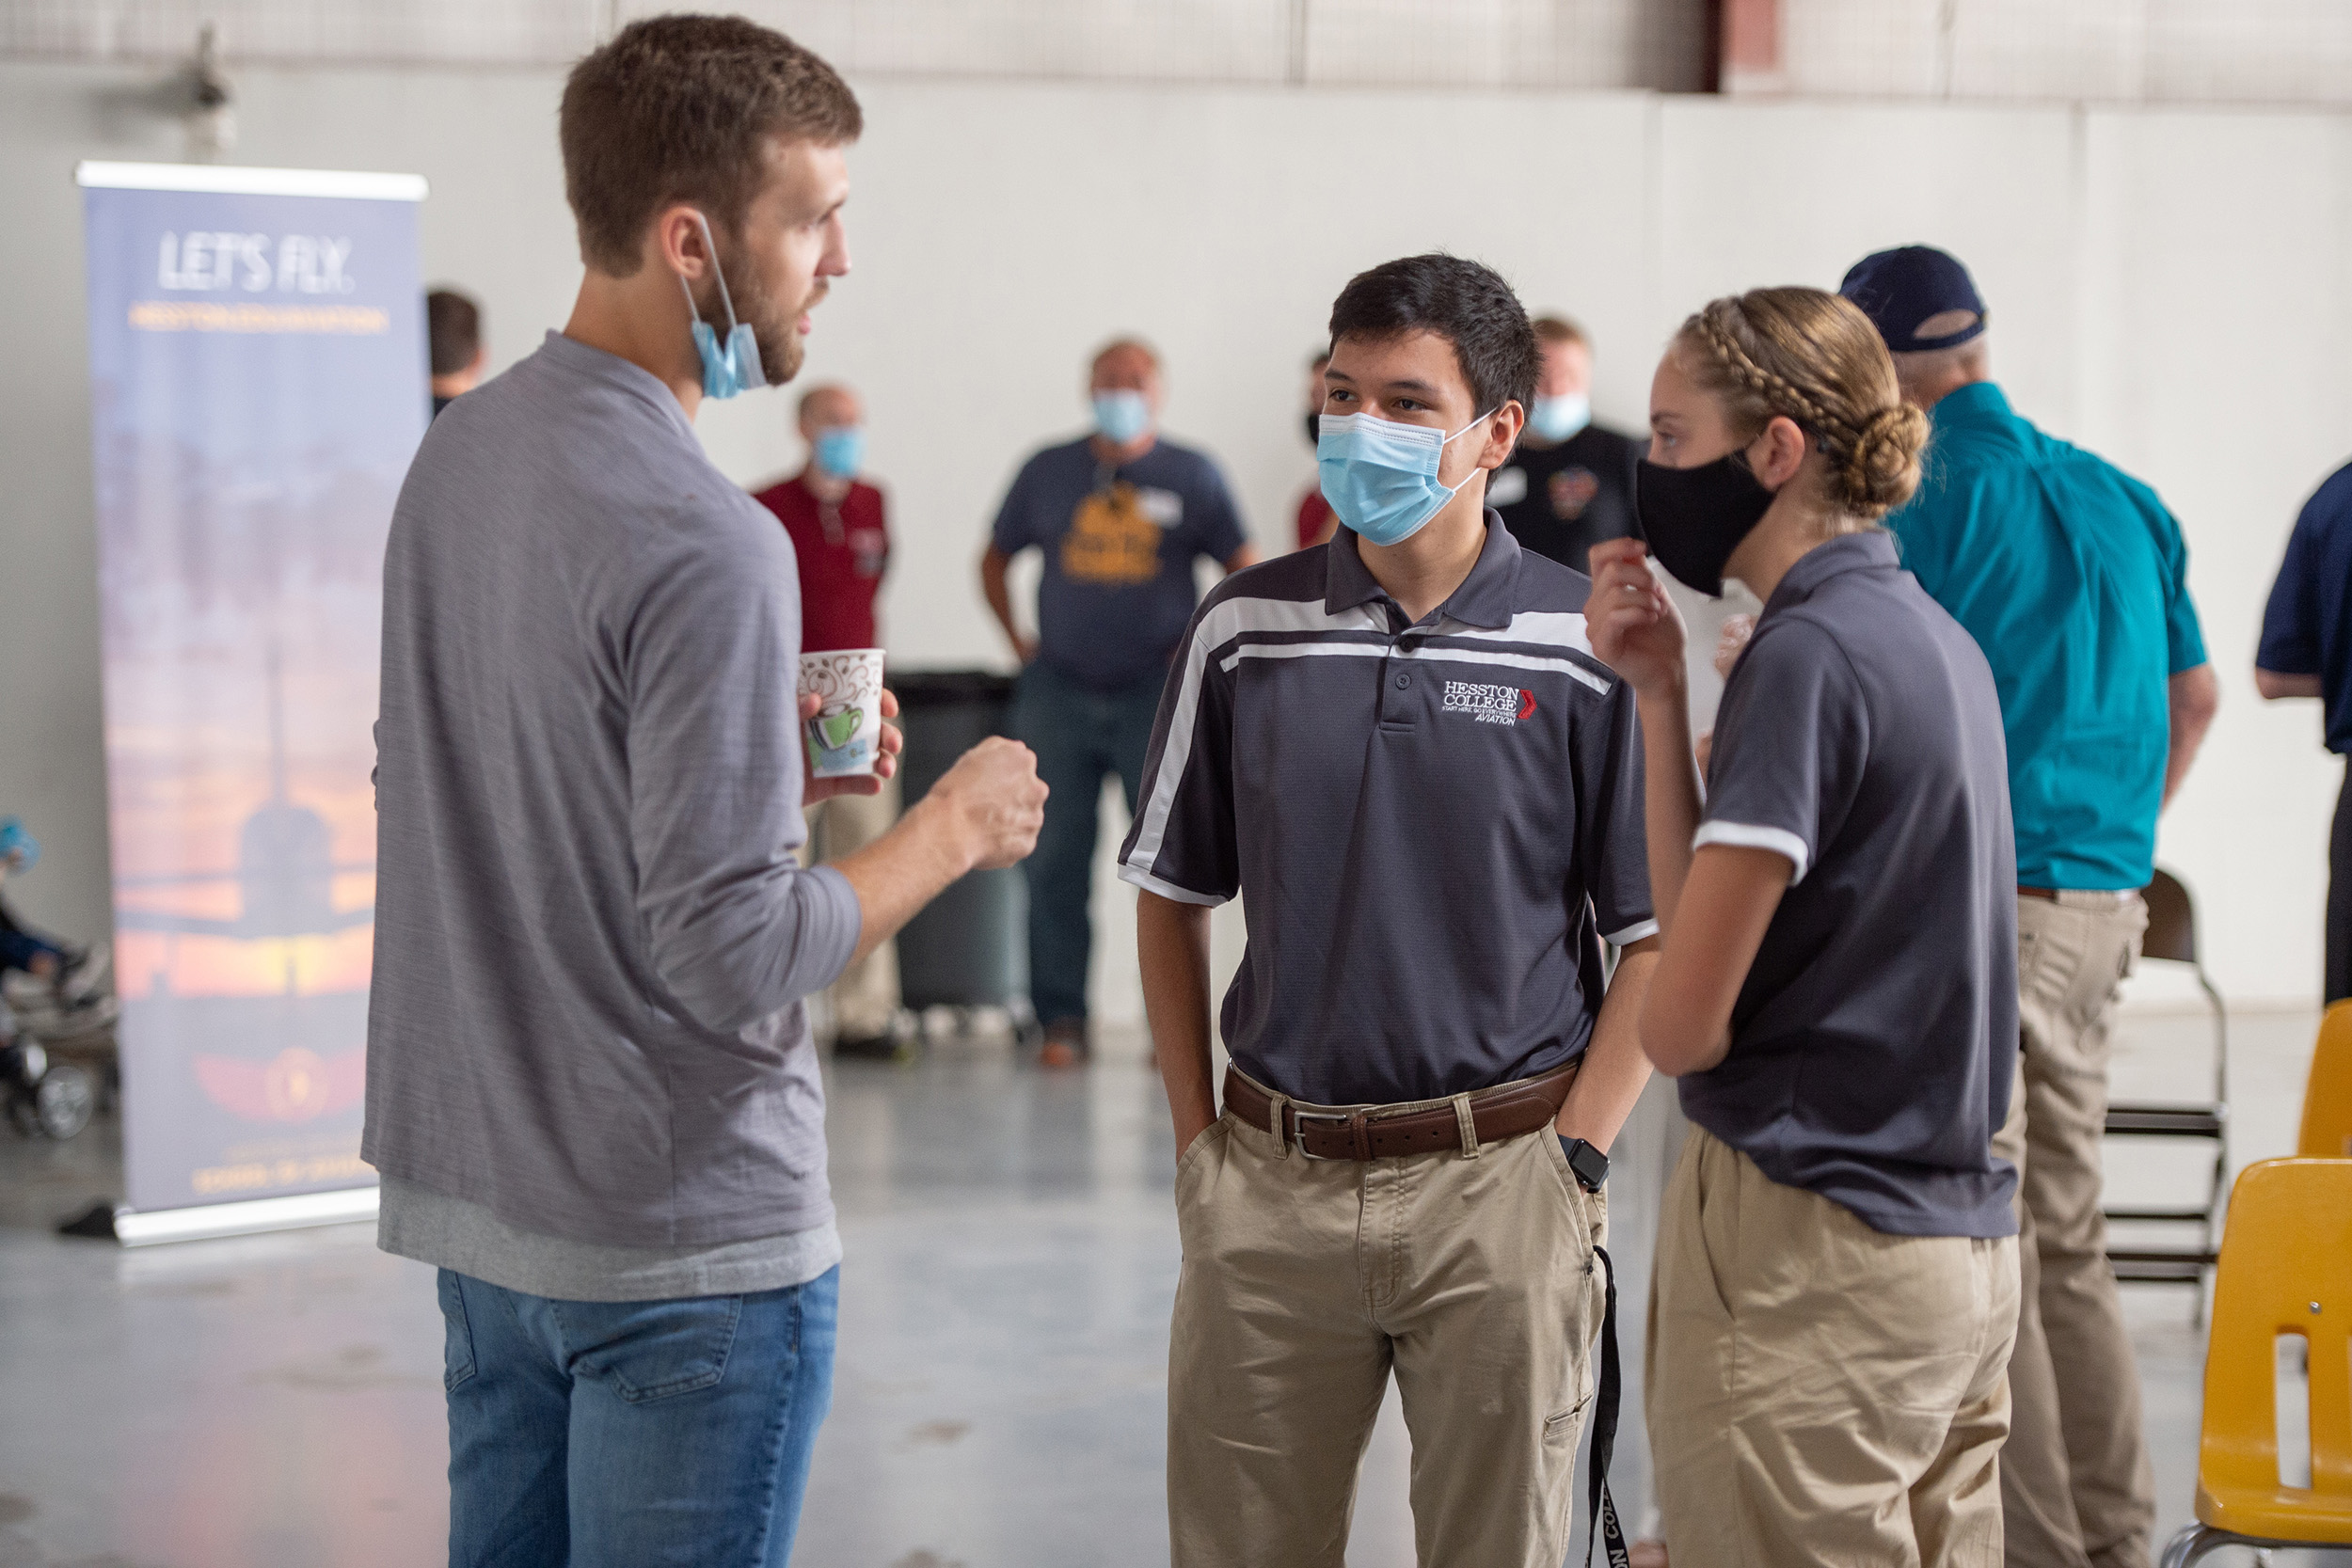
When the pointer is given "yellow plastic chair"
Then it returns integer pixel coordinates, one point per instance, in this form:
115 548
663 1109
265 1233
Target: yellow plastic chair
2286 1268
2328 1098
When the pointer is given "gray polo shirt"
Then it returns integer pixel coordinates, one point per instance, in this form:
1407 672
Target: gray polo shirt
592 939
1874 1043
1434 825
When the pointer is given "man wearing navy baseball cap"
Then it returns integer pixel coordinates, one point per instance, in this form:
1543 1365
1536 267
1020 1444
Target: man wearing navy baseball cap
2072 578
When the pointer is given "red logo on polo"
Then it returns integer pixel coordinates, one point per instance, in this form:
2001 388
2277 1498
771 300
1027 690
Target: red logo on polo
1527 706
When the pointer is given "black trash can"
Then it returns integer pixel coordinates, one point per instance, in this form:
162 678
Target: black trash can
969 947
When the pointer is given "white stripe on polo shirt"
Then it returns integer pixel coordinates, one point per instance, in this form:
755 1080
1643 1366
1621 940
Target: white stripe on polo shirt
1235 617
1382 650
1747 836
1559 628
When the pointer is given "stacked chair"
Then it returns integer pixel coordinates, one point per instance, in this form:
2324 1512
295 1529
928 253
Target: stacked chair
2285 1269
2172 939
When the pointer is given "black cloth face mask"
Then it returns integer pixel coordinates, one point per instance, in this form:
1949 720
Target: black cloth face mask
1693 518
1315 428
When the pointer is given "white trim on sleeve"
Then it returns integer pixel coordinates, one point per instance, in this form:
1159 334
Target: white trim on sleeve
1150 883
1747 836
1632 934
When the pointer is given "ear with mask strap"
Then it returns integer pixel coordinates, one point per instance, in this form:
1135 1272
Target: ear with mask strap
735 367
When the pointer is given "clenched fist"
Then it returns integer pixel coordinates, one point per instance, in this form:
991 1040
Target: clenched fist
995 798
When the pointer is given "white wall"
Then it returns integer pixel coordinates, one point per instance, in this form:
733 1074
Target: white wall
2151 50
2161 283
1518 43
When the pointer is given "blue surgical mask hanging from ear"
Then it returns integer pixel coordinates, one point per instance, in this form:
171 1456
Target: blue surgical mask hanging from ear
1380 476
1557 419
737 367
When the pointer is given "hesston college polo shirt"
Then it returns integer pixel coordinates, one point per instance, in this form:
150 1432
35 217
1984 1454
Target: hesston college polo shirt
1875 1039
1434 826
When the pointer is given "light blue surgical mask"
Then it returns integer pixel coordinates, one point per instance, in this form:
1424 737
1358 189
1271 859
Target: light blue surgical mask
1121 415
737 367
1381 476
839 450
1557 419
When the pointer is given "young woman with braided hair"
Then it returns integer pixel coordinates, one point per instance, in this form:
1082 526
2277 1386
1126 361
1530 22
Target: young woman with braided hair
1836 1283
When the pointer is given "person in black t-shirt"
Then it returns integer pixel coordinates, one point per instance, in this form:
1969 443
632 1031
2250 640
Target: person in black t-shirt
1570 484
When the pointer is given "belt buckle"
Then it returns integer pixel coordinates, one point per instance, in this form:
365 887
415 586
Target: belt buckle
1298 1129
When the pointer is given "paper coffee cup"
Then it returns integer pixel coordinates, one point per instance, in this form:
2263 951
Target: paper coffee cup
845 737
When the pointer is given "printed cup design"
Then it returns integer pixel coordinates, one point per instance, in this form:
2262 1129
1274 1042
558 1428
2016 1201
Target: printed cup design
845 737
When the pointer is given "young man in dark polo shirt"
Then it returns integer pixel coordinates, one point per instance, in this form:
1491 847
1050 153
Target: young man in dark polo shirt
841 543
1399 749
1570 484
1120 515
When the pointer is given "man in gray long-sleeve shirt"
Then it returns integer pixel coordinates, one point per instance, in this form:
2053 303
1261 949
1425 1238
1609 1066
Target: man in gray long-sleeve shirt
592 1093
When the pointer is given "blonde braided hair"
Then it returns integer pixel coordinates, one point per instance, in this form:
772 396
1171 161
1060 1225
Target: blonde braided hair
1812 357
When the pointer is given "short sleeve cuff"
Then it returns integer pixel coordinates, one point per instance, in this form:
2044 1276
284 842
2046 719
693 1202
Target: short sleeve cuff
1144 879
1747 836
1632 934
833 919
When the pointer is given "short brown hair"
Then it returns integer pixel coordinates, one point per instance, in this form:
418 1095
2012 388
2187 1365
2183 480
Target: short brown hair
452 329
677 108
1123 345
1814 358
1559 329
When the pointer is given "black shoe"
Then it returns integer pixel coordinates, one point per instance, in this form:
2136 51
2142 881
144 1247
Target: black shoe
872 1048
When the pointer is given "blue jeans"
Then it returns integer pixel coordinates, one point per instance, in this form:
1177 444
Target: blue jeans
1079 734
614 1434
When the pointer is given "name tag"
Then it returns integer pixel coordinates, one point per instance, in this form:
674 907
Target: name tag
1164 507
1508 486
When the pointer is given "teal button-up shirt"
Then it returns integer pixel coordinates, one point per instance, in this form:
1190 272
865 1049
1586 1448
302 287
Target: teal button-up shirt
2073 579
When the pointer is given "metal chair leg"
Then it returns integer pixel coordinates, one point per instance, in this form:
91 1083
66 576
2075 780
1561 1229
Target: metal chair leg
2192 1543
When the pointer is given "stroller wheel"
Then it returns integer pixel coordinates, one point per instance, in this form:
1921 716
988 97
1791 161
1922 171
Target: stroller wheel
63 1102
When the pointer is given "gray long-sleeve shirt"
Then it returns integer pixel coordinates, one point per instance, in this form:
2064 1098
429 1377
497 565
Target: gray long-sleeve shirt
592 937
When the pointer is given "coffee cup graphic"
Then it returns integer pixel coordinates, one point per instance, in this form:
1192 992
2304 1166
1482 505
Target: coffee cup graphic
845 732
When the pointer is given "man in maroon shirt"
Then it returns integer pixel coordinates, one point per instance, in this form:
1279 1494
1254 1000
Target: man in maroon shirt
842 542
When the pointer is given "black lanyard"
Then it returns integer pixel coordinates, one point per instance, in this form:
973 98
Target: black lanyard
1604 1524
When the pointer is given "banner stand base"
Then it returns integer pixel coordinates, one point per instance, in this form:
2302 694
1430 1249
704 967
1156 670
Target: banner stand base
205 1221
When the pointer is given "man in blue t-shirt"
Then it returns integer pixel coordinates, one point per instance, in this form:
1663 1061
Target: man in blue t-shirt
2073 579
1120 515
2306 651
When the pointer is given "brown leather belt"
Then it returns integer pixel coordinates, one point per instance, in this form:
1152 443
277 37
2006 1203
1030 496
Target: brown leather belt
1419 1127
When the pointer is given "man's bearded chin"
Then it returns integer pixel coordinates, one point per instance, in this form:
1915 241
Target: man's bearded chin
782 349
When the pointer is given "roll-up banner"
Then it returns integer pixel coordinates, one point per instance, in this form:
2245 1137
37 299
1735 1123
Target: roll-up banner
258 383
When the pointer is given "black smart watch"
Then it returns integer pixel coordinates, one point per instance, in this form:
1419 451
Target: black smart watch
1589 1163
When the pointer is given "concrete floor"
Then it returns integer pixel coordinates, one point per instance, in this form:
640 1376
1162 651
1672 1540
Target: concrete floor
276 1401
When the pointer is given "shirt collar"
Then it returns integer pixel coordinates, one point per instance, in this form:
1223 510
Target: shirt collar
1484 598
1978 403
1848 552
574 357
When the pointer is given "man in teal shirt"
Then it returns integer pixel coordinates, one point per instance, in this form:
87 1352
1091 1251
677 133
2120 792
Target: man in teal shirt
2072 576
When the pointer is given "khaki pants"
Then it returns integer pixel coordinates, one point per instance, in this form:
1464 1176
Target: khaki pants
864 1000
1818 1391
1306 1282
2075 1484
